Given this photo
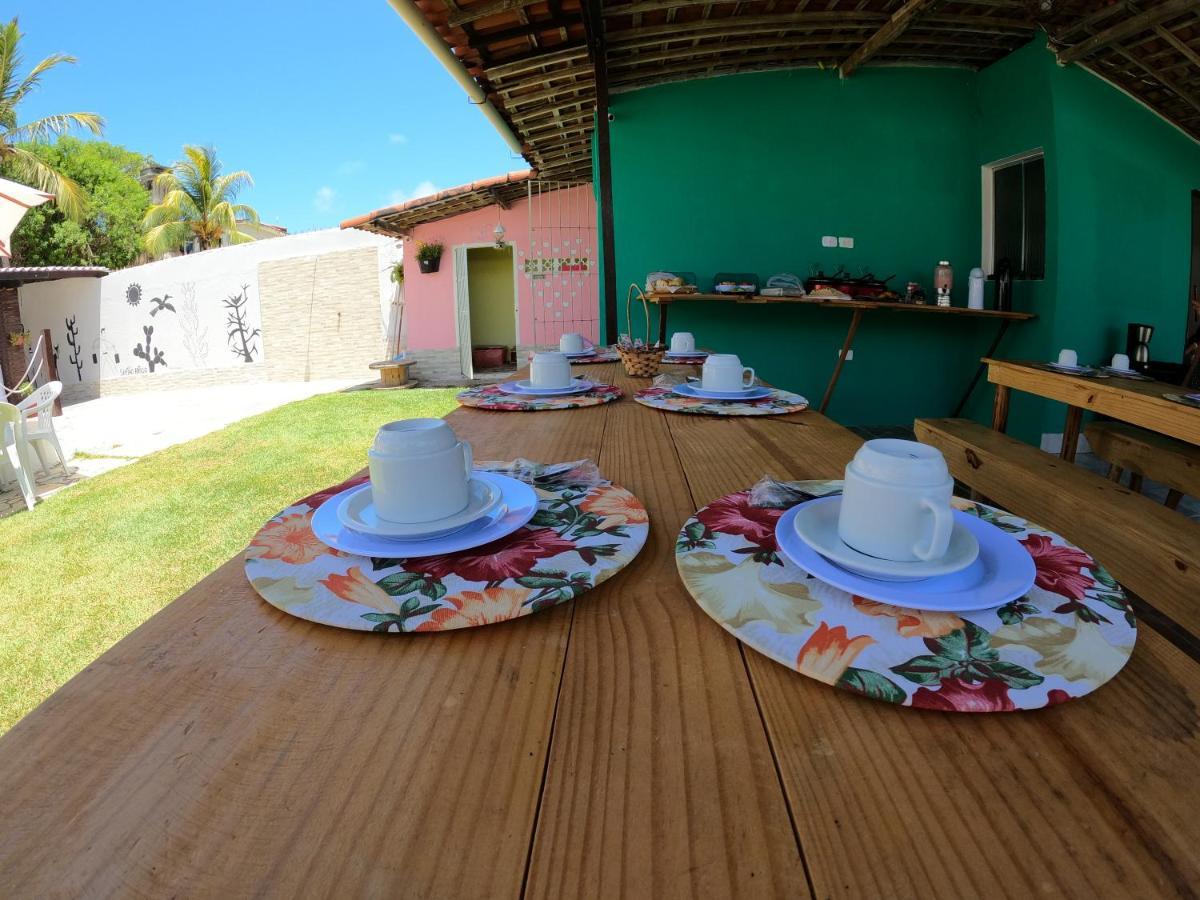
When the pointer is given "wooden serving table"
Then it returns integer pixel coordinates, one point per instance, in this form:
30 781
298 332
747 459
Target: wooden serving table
1137 402
621 744
857 308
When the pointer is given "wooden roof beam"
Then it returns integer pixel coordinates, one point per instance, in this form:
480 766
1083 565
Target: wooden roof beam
1126 28
892 29
483 10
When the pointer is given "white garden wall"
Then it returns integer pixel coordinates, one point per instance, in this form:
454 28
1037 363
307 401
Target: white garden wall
199 318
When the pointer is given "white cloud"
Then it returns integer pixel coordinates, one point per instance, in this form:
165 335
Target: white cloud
351 167
323 199
424 189
395 138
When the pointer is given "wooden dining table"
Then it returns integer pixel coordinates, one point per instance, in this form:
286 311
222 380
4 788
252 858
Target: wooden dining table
1136 401
619 744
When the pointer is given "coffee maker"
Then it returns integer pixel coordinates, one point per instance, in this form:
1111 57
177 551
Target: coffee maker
1137 345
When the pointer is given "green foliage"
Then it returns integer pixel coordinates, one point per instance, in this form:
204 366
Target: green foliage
429 252
198 201
109 233
18 139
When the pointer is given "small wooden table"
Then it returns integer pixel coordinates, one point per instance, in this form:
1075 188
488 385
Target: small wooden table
857 308
621 744
1134 401
393 373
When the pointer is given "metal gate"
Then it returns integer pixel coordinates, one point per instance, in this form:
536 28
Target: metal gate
561 266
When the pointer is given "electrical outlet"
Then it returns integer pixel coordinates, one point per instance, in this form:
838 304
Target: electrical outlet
829 240
849 354
846 243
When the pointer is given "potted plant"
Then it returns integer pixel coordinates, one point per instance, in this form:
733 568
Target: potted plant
397 273
429 256
18 338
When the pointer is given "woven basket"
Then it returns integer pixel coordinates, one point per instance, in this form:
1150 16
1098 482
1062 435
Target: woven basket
642 362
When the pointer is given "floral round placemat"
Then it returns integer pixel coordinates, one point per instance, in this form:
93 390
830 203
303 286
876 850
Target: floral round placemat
585 530
1070 634
489 396
778 404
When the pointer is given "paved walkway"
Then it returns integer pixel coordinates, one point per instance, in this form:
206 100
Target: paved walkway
114 431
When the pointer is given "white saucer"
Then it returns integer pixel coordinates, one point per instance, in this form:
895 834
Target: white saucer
1126 373
576 353
357 512
1072 370
1003 571
524 388
757 392
519 502
693 354
817 526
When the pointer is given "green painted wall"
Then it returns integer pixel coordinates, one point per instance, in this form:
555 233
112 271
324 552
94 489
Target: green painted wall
490 288
746 173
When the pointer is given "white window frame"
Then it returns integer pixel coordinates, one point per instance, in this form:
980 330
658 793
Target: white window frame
988 174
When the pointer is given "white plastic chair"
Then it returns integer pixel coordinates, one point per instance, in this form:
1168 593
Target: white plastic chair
38 409
14 452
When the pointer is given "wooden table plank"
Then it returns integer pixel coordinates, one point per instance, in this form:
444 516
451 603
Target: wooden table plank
660 781
1081 800
226 748
1137 402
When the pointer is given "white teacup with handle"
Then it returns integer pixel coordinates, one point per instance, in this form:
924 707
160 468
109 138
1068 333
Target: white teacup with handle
896 501
420 471
573 342
549 370
724 372
683 342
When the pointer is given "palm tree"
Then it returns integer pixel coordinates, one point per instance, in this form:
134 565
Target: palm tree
17 159
198 201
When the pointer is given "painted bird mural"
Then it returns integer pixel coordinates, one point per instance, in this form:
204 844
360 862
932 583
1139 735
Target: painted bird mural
160 304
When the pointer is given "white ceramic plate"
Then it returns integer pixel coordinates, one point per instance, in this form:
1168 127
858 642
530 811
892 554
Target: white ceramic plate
518 503
1072 370
1003 571
524 388
1126 373
695 354
757 392
357 512
816 523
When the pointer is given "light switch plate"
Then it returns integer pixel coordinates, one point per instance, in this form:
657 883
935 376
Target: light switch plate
829 240
846 242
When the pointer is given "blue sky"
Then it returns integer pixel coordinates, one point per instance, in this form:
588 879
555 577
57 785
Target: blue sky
335 108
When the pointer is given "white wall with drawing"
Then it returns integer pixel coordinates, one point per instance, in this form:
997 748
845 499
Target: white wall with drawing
187 313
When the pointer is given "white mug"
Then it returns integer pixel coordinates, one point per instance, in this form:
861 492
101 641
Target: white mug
725 372
1068 358
1120 361
896 501
550 370
573 342
683 342
420 471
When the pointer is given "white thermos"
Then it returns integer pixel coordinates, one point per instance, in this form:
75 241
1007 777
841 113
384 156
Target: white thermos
975 289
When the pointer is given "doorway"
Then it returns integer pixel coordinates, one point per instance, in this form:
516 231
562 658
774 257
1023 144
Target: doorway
486 300
1192 331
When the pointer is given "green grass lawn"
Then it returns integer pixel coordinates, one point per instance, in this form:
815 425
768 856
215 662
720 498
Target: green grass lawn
91 563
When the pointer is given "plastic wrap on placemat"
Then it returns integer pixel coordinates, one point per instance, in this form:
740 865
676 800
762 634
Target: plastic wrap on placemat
669 380
771 493
581 472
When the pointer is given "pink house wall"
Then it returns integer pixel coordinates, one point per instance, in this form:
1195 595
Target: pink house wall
567 224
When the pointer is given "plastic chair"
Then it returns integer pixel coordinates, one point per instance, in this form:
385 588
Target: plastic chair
38 409
14 452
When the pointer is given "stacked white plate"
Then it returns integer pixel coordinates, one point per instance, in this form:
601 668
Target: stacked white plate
757 392
526 388
499 505
984 566
689 355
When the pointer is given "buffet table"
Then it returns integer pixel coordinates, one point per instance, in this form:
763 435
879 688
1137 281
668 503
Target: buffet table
623 743
857 308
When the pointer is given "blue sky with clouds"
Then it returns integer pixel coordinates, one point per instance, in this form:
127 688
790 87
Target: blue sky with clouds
335 108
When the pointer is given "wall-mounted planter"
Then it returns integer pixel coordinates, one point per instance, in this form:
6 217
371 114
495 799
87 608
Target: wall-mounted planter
429 266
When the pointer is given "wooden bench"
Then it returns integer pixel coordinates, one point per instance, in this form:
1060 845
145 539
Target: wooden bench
393 373
1147 454
1152 550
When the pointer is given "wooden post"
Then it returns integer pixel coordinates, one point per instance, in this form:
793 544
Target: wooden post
1000 408
593 21
837 370
1071 433
51 366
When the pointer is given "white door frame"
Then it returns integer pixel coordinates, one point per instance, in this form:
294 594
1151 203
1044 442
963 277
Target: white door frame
462 293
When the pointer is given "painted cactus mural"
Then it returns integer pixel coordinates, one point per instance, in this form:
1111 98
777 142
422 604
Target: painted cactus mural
76 358
239 336
152 355
195 335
